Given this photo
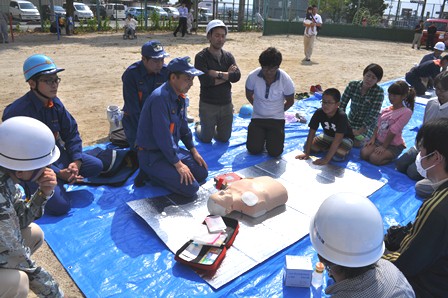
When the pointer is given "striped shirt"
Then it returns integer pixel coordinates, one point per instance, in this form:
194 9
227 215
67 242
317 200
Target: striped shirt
383 281
423 254
364 109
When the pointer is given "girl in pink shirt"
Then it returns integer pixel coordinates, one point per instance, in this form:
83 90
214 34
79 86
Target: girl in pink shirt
387 142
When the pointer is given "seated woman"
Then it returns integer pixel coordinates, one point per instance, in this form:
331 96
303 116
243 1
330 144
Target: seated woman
387 142
366 99
251 196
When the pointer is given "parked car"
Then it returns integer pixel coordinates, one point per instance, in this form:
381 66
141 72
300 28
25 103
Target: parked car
205 14
103 14
47 14
114 10
23 10
441 34
159 10
81 11
136 12
172 12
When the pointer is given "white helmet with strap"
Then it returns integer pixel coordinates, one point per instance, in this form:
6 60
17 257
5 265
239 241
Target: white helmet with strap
347 230
27 144
213 24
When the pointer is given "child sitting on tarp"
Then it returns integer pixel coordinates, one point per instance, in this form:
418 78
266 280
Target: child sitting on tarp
387 142
337 138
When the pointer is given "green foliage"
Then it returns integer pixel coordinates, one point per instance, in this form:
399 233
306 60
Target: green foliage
375 7
155 20
92 25
364 13
338 10
46 26
105 24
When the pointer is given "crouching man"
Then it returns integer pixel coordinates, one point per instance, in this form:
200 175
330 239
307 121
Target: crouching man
28 147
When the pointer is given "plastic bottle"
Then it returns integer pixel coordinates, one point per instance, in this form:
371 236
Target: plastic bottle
317 277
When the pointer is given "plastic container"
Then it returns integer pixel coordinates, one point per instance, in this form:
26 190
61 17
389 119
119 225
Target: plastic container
318 275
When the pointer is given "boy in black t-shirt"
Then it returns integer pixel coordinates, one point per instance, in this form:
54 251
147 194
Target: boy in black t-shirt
337 138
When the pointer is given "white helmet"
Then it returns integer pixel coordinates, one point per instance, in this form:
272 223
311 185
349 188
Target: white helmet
439 46
213 24
347 230
26 144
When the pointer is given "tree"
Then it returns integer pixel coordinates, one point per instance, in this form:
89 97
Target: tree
337 10
375 7
333 9
70 10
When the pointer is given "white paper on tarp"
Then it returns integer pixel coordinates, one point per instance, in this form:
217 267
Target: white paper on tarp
429 95
175 220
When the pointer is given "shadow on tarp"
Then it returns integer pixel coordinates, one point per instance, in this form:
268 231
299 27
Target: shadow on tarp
110 251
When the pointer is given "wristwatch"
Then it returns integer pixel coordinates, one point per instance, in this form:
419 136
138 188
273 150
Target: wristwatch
220 75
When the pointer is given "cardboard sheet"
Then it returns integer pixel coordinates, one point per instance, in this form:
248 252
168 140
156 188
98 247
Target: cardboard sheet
174 220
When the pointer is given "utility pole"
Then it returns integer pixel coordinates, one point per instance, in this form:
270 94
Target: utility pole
423 10
441 10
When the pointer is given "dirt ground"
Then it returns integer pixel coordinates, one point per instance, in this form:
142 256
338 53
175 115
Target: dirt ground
94 64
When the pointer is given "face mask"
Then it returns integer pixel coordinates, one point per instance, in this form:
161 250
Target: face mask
418 164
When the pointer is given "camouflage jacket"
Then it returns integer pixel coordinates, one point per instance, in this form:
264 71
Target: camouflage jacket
16 214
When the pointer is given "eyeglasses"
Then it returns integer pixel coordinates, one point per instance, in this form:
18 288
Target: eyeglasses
327 103
50 82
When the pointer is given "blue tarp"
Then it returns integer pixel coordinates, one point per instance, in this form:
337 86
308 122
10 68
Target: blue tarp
109 251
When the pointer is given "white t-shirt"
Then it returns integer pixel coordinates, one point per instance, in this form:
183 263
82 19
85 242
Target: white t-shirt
434 110
313 30
131 23
269 101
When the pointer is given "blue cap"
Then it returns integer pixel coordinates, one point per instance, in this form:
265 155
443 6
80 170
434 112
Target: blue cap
183 65
154 49
39 64
246 111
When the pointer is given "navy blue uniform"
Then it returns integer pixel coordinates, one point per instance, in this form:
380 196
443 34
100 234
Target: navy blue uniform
429 57
161 128
424 70
65 130
137 86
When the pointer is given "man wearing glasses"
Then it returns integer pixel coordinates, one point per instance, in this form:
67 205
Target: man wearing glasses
42 103
271 92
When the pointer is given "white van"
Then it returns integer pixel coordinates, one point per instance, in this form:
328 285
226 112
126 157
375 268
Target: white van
23 10
206 4
81 11
114 10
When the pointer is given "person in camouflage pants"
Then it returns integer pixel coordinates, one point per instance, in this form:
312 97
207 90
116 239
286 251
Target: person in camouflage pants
24 157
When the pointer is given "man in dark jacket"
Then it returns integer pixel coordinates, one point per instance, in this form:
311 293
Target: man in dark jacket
432 29
424 70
